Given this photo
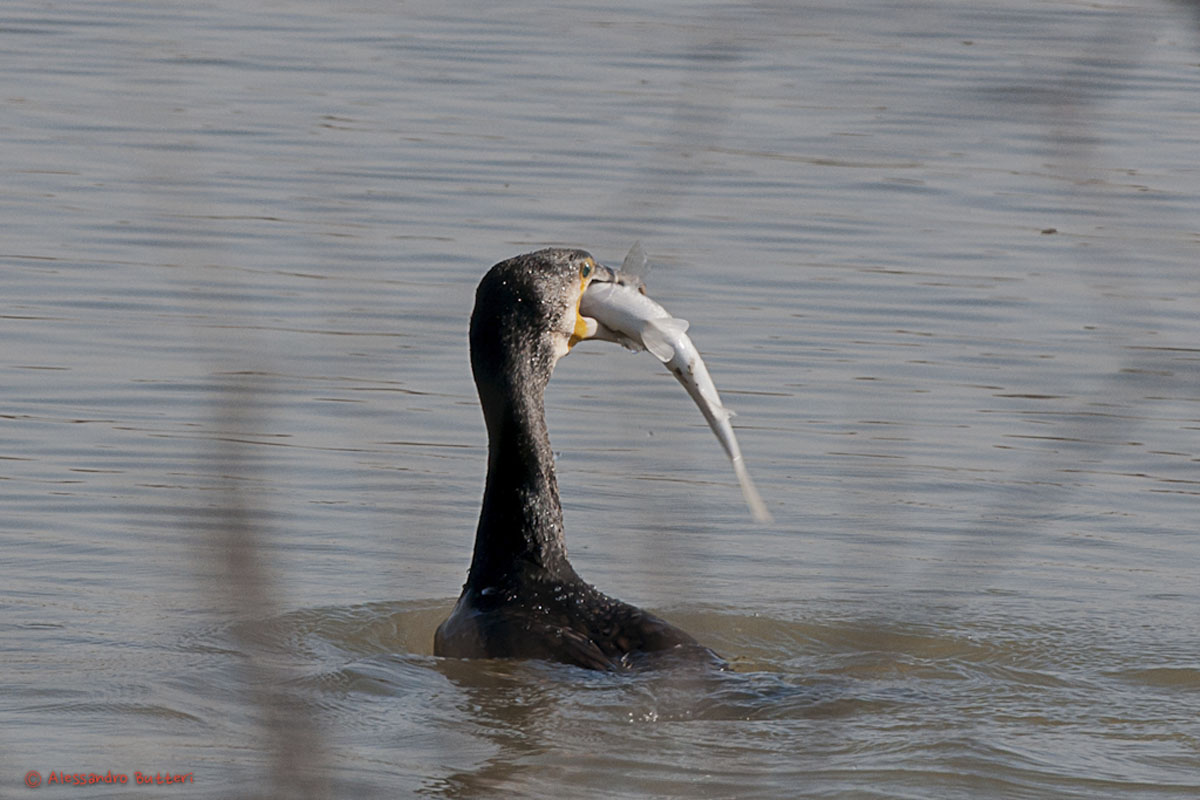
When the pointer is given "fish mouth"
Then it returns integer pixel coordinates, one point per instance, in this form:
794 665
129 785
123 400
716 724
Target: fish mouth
603 274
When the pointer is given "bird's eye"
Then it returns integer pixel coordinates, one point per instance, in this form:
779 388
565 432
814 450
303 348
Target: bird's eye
586 268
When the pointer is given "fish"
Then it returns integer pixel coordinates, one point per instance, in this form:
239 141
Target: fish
626 315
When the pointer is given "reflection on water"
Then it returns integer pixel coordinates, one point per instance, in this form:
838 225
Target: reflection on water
940 259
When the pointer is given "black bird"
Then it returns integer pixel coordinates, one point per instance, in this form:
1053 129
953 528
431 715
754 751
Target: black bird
522 598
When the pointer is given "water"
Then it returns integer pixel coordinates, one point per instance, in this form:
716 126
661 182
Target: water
939 257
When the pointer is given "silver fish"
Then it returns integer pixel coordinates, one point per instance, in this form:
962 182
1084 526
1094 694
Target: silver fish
624 314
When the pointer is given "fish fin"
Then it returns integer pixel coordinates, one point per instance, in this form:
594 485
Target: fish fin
719 411
673 326
636 266
632 345
657 344
655 333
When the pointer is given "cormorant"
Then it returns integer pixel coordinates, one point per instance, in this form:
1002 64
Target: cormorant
522 598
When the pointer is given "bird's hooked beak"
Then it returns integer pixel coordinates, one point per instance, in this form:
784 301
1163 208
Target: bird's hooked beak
586 327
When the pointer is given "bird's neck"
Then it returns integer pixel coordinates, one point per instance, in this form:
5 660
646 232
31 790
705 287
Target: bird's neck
520 533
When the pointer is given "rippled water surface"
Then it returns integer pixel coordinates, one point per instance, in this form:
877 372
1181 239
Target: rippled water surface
940 257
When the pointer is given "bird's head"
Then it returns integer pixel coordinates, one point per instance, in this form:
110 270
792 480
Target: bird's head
528 308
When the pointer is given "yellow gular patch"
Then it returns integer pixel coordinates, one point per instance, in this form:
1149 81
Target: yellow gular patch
582 329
